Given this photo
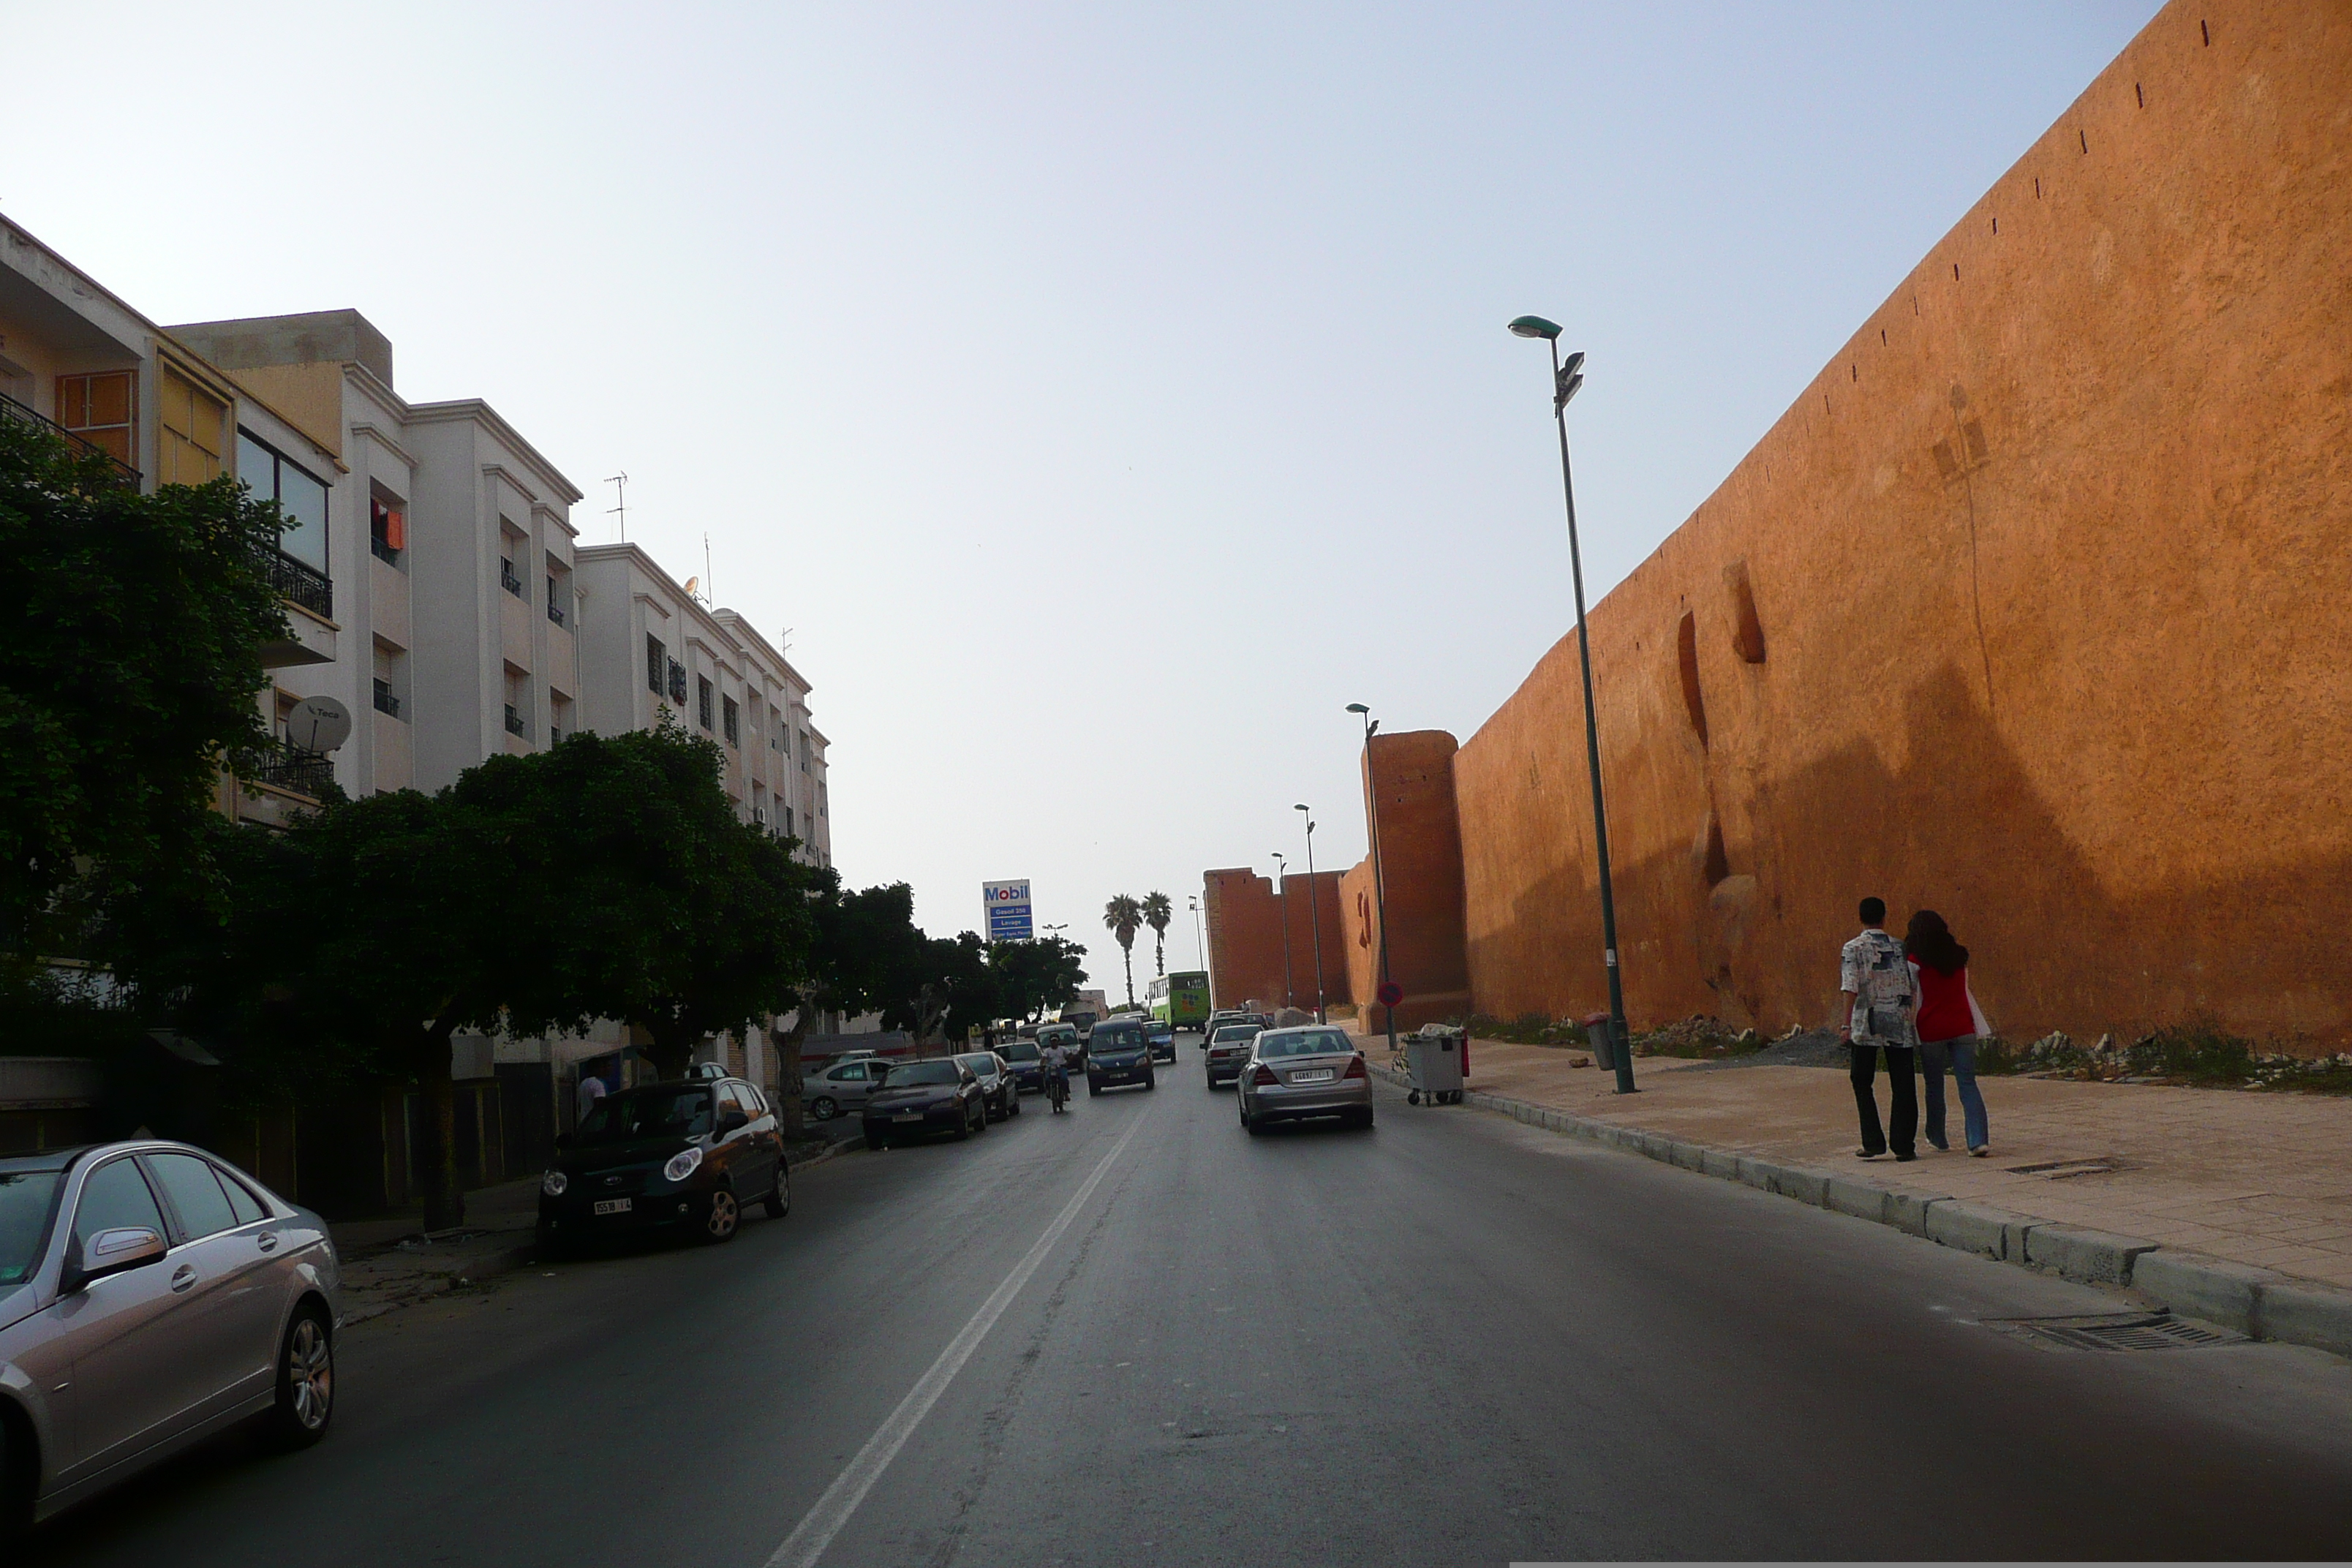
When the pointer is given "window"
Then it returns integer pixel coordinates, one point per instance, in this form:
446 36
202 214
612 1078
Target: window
788 823
390 677
103 410
116 1195
702 700
508 580
653 656
678 683
195 1194
554 602
385 703
387 530
727 716
270 476
805 750
191 437
247 1207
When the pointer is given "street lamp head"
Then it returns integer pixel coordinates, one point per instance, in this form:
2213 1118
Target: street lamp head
1298 808
1357 708
1535 327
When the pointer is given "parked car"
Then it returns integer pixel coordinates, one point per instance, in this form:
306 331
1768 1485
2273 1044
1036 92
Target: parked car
1315 1070
1161 1036
151 1296
1000 1093
1026 1062
1229 1050
1231 1015
843 1087
668 1157
922 1097
1119 1053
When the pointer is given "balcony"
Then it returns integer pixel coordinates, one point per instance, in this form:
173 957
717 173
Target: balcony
515 726
298 582
508 580
385 703
381 548
555 612
120 472
298 772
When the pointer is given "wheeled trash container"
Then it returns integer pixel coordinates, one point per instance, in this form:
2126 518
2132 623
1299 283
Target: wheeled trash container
1435 1063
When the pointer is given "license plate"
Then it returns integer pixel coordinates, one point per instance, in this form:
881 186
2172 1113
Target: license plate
613 1206
1314 1074
908 1116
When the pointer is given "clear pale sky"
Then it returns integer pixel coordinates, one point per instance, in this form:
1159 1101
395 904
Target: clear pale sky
1104 395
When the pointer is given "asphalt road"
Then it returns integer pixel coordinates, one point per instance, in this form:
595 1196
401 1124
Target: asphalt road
1448 1340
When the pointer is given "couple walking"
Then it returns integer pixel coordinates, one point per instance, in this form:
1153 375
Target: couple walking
1911 999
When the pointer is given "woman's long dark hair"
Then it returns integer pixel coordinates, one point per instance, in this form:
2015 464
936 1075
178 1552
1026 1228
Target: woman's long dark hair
1929 940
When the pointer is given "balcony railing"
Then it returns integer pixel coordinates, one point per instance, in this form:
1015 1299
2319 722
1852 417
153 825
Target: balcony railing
381 548
385 703
555 612
17 413
515 726
300 582
508 580
298 772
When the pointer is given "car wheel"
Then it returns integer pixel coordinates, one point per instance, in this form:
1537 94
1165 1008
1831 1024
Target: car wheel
1361 1121
1151 1080
723 1218
306 1381
825 1108
963 1125
876 1141
780 1202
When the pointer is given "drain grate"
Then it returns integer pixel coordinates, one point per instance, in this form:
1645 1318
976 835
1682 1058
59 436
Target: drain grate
2159 1331
2062 1170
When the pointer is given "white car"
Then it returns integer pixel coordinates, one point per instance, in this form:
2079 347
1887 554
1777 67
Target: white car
841 1089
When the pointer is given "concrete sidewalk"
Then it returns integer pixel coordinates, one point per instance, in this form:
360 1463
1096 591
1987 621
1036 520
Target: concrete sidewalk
2261 1179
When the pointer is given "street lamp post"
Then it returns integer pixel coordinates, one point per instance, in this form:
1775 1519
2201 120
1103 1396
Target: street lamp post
1200 944
1565 380
1282 874
1379 891
1314 915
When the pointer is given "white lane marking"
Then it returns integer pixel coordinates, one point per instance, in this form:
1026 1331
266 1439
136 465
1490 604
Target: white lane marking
816 1529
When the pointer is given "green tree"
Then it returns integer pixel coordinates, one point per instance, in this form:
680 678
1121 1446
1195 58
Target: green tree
650 902
861 944
1032 976
130 635
1123 917
1159 914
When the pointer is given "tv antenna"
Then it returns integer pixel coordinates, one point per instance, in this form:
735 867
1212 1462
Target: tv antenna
706 569
620 483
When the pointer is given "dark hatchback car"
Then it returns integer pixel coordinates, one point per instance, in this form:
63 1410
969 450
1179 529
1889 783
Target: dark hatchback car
923 1098
1000 1093
1162 1037
1026 1063
1120 1053
674 1157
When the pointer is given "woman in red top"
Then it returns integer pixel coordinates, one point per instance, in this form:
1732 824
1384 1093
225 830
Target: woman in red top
1948 1022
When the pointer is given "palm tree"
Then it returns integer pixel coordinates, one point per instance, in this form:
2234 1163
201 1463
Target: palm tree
1159 914
1123 917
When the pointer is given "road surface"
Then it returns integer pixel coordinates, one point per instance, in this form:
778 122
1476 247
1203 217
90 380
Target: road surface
1134 1334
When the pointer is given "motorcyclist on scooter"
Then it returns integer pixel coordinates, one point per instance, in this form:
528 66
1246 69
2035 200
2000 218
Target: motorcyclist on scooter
1056 1063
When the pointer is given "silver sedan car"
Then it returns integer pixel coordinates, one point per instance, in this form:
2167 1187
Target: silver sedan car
1296 1073
150 1296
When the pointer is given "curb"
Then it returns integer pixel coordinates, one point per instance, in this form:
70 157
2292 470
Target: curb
2258 1302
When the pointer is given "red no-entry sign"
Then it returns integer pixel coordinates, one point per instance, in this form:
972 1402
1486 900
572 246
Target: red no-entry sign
1390 994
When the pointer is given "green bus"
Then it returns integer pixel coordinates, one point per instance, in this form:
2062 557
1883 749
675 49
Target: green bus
1180 1000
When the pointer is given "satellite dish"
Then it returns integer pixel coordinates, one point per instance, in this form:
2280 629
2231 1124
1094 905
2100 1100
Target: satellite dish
317 725
691 585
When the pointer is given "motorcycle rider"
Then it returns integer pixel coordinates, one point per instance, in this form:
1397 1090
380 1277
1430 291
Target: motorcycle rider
1056 1063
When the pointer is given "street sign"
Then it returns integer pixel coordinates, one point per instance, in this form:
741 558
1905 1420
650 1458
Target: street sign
1008 910
1390 994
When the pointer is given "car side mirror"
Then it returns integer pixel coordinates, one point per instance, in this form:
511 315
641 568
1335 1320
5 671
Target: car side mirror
112 1252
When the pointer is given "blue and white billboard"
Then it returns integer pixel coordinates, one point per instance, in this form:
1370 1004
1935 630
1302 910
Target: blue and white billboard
1008 910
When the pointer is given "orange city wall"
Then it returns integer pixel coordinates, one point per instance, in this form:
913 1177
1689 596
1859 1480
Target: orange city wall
1245 914
2032 609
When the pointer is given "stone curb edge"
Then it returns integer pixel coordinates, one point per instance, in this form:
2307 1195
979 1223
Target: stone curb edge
2258 1302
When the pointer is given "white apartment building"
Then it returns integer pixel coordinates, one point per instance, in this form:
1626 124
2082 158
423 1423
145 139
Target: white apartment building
79 361
648 647
451 537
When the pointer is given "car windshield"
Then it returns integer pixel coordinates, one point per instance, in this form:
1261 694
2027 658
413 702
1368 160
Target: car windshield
679 1111
1021 1051
1229 1032
1304 1043
982 1064
916 1075
1116 1036
25 1199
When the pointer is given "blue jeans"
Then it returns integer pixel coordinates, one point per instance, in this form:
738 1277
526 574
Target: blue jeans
1959 1056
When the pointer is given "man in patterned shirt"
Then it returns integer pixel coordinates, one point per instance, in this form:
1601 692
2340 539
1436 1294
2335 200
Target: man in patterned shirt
1876 982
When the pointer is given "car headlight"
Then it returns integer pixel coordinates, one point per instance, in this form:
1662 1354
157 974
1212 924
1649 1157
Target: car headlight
683 1164
553 1183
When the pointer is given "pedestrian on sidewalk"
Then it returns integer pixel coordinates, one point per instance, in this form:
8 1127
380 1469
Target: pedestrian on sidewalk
1949 1023
592 1090
1876 981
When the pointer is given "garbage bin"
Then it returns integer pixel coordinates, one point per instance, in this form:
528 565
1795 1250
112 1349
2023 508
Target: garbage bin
1604 1042
1435 1063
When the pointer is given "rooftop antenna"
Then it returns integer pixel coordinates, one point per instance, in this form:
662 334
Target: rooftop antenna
706 569
620 483
785 646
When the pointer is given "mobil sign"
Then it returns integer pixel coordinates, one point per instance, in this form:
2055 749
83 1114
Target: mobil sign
1008 910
